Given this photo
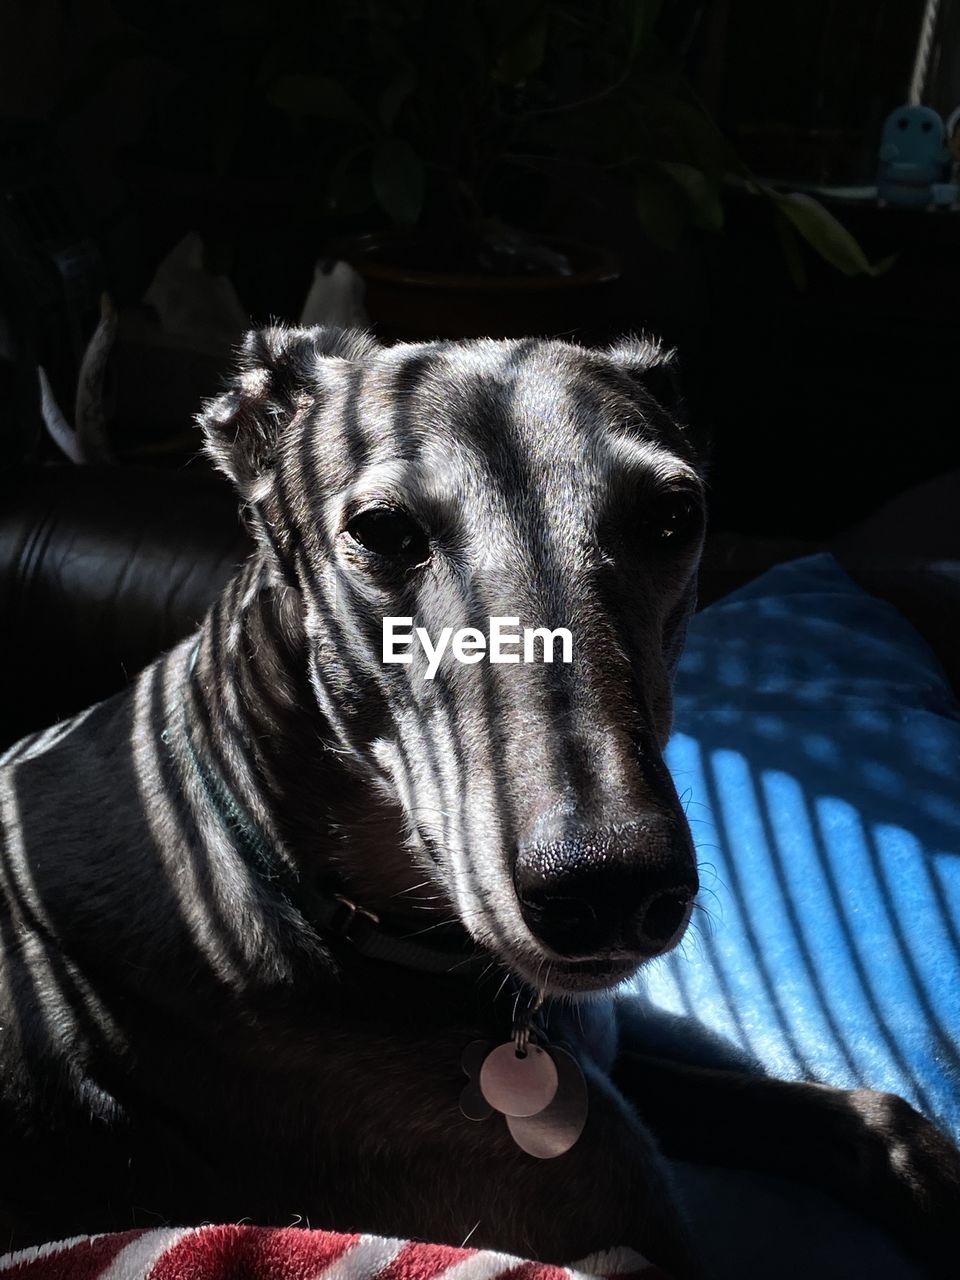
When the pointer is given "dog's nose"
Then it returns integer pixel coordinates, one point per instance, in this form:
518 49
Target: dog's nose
630 889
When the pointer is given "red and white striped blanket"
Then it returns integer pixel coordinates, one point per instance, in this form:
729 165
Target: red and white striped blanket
292 1253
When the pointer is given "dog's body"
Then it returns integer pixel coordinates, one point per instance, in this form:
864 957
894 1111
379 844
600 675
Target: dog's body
183 1034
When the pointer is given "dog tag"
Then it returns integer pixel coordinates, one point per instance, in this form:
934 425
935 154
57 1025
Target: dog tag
557 1127
473 1056
518 1083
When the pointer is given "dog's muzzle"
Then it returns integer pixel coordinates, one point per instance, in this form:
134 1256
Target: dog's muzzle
620 892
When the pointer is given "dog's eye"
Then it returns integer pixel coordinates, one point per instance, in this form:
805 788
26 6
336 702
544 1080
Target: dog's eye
390 534
671 519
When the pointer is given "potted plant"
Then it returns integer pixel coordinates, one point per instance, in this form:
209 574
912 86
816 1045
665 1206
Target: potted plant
465 138
465 127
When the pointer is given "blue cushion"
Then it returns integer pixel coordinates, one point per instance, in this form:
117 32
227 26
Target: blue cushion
817 750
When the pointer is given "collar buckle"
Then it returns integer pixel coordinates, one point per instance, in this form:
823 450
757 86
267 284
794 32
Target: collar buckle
345 915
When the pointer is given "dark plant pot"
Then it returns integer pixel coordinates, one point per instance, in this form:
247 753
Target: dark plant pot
408 301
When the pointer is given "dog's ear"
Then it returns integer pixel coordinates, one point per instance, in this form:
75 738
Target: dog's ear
656 372
277 375
654 368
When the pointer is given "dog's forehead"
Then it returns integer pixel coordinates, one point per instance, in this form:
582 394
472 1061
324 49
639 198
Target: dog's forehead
508 406
505 428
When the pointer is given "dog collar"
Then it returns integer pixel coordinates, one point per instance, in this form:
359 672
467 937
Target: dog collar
331 914
340 916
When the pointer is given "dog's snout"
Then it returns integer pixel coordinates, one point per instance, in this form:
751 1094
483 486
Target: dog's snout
626 890
661 917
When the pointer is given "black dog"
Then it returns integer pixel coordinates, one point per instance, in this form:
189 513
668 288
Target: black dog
256 909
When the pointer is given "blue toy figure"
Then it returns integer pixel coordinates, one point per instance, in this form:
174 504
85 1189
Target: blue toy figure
913 157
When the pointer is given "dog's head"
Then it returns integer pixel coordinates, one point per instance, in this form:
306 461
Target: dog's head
452 483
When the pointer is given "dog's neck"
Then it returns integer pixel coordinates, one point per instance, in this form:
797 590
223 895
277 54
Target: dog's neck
254 716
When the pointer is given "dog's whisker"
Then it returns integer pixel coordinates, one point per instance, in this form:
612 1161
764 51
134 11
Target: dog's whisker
463 918
439 924
713 894
483 973
506 979
412 888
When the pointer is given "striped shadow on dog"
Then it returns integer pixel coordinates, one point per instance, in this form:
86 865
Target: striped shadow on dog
288 930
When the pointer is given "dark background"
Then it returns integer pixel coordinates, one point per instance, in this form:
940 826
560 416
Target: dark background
124 126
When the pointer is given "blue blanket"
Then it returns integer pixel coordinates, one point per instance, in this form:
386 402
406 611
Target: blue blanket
817 751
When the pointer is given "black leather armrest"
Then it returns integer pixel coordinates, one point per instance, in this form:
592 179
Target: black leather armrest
101 570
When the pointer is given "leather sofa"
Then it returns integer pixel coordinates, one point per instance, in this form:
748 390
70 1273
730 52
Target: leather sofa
101 570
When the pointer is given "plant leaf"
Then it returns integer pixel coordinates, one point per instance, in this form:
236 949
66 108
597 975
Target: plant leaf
643 15
823 232
703 195
348 190
397 176
523 56
395 95
661 207
787 235
677 129
321 97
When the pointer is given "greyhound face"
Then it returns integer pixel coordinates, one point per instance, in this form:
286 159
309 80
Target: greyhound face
449 484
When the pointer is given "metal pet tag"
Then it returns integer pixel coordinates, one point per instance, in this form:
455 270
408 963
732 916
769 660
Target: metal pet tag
518 1082
538 1088
554 1130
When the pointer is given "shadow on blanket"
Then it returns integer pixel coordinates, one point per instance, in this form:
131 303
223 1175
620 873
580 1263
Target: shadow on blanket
817 750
